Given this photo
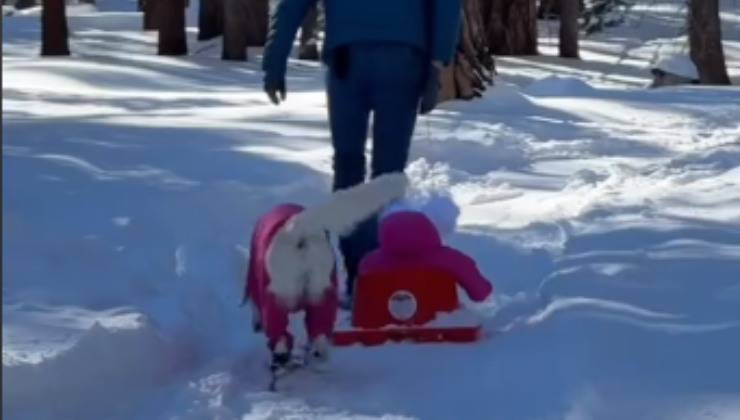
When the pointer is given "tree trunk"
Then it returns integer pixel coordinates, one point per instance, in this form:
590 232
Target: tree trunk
512 26
472 68
568 28
54 32
309 41
705 38
258 16
210 19
171 17
24 4
150 14
235 34
548 9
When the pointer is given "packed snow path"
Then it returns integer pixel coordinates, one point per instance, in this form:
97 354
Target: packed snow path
607 216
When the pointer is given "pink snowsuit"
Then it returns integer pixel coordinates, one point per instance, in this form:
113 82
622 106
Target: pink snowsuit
320 316
409 239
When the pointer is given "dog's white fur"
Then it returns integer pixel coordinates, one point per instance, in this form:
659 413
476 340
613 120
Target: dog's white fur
300 258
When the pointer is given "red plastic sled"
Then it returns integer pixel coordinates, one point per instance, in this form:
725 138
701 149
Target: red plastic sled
418 305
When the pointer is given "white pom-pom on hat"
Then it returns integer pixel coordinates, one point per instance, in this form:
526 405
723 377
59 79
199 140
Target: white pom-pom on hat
440 209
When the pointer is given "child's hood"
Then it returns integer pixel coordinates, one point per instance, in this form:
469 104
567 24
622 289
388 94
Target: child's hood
408 233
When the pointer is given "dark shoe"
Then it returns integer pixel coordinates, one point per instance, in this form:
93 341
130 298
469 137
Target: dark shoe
317 356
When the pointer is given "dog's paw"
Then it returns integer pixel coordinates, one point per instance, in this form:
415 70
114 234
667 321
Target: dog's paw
319 350
280 354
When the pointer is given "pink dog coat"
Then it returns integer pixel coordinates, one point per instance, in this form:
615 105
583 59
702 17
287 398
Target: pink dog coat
409 239
273 314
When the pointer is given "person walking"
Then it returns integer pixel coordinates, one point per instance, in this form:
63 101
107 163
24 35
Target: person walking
384 58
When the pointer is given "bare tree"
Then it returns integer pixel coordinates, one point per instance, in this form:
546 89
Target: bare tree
24 4
309 42
245 25
235 34
568 44
171 23
705 39
511 26
54 31
150 14
258 17
210 19
549 9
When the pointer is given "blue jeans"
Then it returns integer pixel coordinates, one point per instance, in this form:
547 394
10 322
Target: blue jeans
385 79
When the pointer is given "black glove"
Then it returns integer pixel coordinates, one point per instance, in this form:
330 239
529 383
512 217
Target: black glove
274 84
430 93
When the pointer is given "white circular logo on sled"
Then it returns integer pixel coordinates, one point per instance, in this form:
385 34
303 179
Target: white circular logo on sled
402 305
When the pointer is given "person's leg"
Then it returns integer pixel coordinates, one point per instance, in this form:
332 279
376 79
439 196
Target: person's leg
395 102
349 113
393 96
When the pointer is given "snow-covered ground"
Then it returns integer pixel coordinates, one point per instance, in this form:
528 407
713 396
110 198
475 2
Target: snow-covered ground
607 216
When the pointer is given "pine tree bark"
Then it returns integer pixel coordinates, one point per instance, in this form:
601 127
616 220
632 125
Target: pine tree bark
309 41
568 44
473 66
210 19
548 8
54 31
150 14
258 16
705 40
235 34
24 4
511 26
171 23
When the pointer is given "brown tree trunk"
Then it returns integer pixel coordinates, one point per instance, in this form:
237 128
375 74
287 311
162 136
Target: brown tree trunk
24 4
210 19
512 27
472 68
150 14
705 39
258 16
309 41
548 8
54 32
171 17
235 34
568 28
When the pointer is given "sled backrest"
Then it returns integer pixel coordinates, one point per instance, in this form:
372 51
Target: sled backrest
407 296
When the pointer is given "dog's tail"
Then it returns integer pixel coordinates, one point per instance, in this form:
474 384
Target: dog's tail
348 207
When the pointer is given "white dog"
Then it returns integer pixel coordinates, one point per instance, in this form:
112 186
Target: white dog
292 265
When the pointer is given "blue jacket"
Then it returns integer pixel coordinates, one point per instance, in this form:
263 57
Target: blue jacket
351 21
